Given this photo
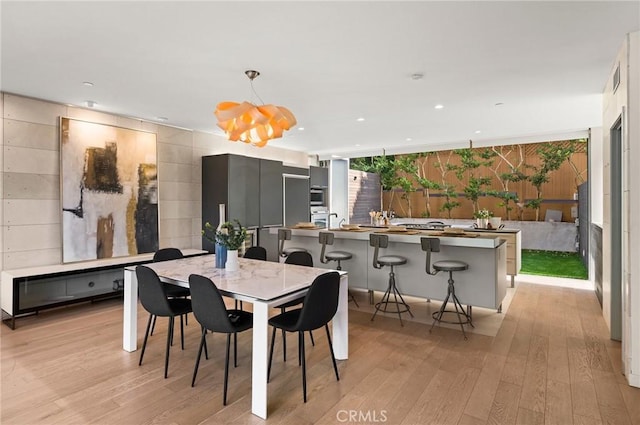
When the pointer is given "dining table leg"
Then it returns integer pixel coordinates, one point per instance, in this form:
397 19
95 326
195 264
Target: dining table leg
130 312
340 322
260 359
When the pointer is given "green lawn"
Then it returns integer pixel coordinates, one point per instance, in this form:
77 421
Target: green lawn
553 263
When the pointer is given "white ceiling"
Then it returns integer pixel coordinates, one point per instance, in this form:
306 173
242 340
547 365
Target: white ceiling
329 63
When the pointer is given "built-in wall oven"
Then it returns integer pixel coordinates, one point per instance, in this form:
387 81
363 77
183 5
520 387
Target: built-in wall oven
317 197
320 216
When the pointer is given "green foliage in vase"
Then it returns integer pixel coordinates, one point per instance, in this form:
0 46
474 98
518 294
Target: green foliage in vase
483 214
230 236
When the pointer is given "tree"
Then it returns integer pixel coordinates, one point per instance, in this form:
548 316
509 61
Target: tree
384 166
579 179
552 155
513 176
448 189
426 184
469 164
407 165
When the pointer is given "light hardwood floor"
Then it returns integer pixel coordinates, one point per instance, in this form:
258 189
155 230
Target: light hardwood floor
551 362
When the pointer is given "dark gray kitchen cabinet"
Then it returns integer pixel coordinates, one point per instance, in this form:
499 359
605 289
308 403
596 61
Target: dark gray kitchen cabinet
319 177
250 188
232 180
270 193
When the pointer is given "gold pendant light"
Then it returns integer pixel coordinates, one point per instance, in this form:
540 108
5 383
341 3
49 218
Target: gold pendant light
253 124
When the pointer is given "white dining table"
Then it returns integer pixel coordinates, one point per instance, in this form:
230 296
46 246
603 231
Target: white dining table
265 284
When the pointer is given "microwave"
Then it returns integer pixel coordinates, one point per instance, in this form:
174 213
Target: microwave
317 197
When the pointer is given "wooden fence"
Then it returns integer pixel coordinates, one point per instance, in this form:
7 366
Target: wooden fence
557 194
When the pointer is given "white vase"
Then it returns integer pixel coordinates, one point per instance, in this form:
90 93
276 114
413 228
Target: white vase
232 264
495 222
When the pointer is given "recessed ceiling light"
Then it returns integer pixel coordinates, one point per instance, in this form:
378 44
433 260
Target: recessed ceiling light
90 103
300 128
499 104
408 139
87 83
336 156
438 106
360 119
478 131
357 144
162 118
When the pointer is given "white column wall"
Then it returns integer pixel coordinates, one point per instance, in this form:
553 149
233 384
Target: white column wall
1 177
339 190
626 102
595 174
631 291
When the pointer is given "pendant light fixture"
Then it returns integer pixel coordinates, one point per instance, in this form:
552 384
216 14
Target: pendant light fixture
253 124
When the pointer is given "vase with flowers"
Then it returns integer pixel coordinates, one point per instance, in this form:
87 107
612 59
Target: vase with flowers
482 218
231 236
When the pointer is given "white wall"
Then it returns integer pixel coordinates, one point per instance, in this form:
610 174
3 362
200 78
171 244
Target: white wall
595 174
30 190
2 179
626 102
339 193
631 289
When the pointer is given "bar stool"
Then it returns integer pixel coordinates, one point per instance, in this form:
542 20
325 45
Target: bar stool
430 245
326 238
382 241
285 235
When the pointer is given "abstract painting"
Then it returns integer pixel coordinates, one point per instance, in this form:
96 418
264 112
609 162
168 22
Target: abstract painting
109 183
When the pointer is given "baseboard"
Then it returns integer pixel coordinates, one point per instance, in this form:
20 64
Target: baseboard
634 380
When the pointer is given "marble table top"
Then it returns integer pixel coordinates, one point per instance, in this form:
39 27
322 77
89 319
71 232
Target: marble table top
262 280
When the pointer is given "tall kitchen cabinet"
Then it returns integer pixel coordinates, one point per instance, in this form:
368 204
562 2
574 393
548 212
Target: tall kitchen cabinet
251 189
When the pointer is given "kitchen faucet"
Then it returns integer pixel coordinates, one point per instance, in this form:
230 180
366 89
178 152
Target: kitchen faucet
329 219
340 224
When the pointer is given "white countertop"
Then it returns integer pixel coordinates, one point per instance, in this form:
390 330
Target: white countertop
477 242
264 280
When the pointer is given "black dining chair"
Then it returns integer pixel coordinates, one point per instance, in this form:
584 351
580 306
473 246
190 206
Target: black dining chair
256 253
172 291
298 258
319 306
212 314
154 299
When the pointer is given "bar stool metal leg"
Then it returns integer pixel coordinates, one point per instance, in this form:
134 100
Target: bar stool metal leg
386 299
459 309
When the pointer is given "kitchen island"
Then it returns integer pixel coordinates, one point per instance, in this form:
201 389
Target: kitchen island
512 236
483 285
